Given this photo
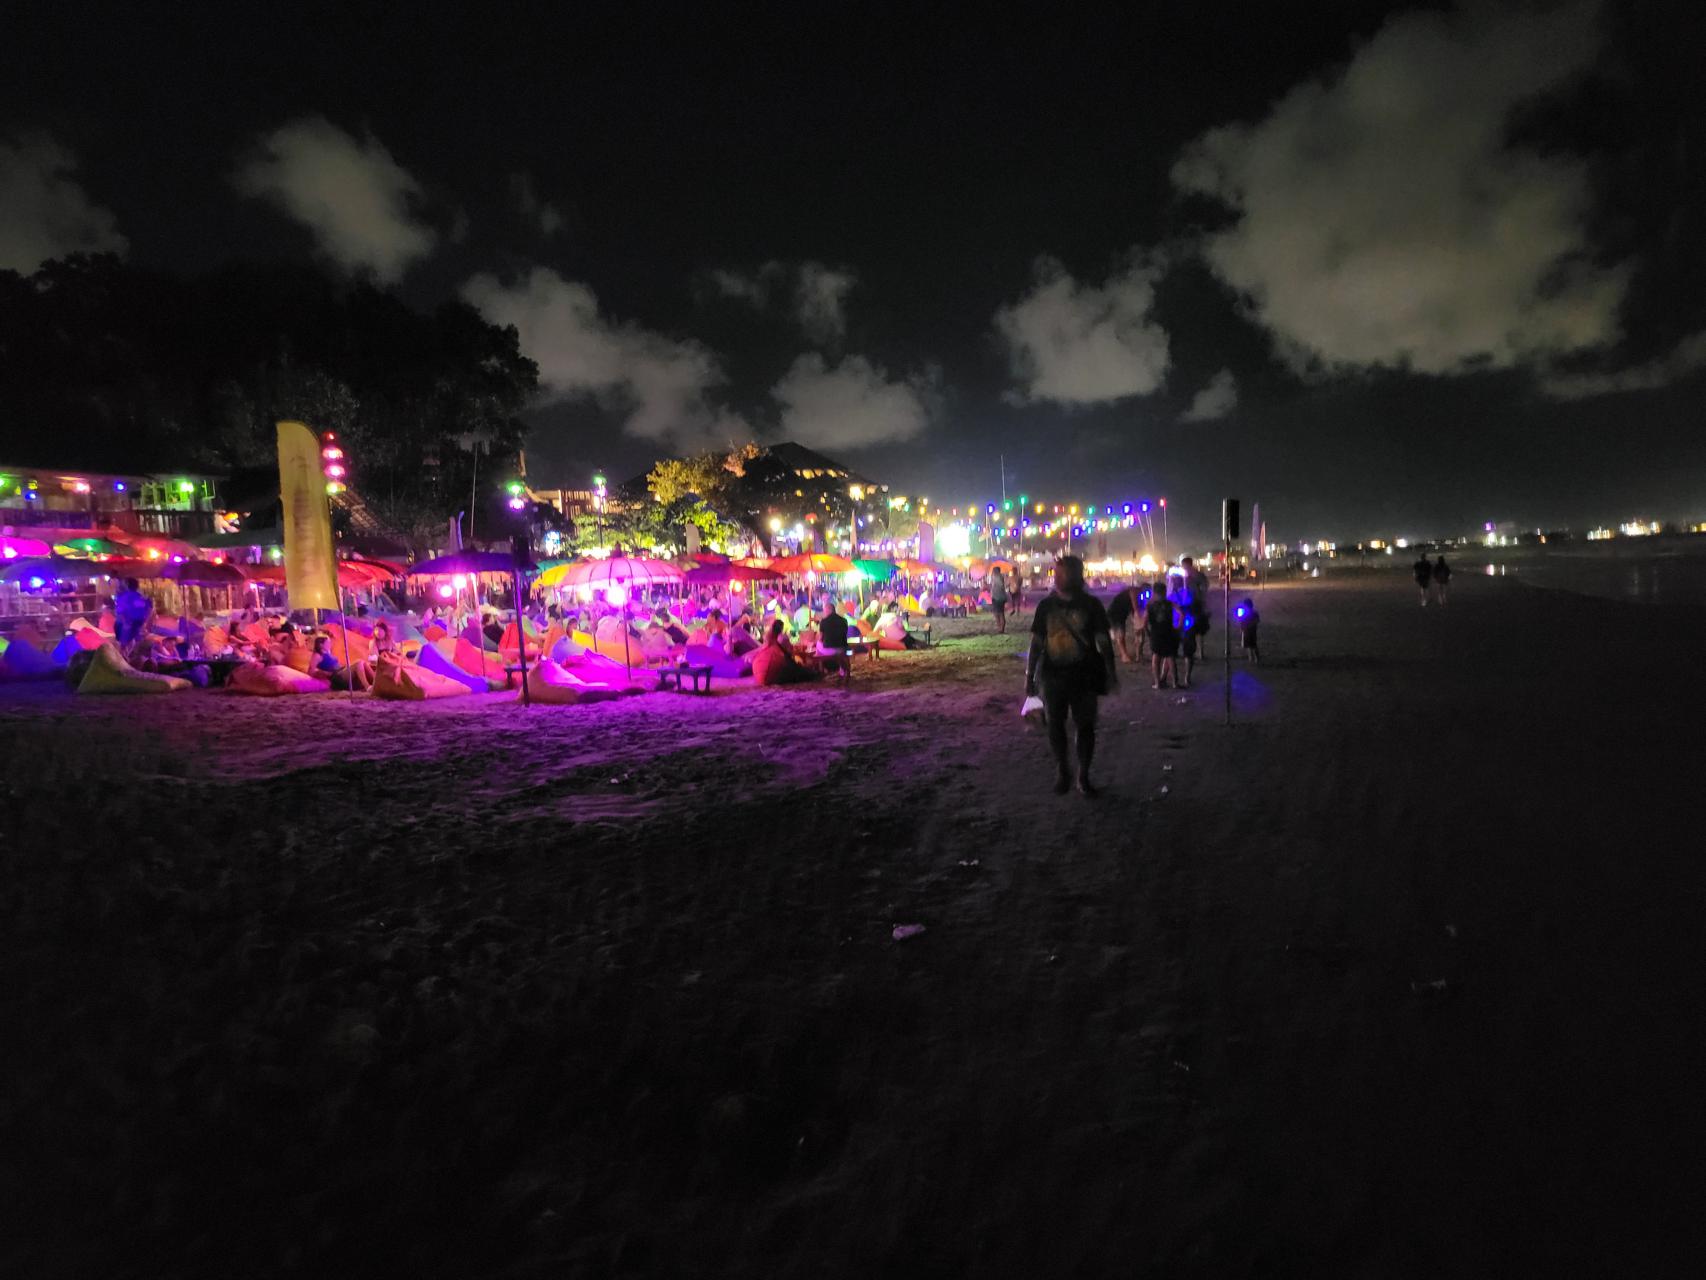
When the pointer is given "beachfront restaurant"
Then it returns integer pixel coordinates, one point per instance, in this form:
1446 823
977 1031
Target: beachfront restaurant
93 516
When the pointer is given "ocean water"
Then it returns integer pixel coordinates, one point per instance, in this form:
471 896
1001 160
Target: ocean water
1663 571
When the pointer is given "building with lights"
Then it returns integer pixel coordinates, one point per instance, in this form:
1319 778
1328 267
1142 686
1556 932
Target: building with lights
169 504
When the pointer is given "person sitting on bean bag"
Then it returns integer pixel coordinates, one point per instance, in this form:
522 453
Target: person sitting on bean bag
775 662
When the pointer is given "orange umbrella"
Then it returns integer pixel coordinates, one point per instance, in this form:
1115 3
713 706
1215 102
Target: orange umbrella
815 562
350 576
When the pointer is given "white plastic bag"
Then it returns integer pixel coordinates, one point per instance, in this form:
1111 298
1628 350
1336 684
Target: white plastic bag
1032 706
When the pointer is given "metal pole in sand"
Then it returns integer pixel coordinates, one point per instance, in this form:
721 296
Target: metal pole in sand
1226 621
521 638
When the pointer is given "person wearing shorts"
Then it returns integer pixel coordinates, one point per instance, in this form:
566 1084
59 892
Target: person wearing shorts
1163 639
1071 664
998 600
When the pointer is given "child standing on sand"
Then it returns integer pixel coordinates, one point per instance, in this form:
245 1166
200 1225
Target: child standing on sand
1248 620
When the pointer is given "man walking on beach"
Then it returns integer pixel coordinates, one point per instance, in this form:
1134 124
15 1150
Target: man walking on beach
1424 574
998 600
1071 664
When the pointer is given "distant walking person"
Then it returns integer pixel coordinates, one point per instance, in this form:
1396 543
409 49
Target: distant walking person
1071 664
1441 579
1424 575
998 600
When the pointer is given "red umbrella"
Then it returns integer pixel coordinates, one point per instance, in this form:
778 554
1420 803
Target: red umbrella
714 573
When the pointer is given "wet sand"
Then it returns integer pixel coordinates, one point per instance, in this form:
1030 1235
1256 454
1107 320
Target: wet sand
1399 976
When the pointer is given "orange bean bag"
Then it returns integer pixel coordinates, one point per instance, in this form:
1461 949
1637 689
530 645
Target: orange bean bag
402 682
509 644
273 682
554 685
432 631
489 667
337 636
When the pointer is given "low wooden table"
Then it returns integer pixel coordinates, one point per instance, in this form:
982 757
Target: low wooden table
671 677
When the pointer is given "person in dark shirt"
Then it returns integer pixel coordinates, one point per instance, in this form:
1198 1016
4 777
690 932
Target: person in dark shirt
832 642
1128 605
1163 638
1441 579
1071 663
1424 574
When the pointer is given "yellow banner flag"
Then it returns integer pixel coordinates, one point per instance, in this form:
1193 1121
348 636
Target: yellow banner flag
310 564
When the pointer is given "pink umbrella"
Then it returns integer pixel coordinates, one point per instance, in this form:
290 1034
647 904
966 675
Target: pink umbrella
12 547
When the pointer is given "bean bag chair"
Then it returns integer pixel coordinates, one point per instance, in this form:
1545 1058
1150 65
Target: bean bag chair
432 660
109 673
256 633
23 661
478 662
337 636
403 629
89 637
214 640
434 632
656 645
298 656
401 682
510 644
65 650
768 664
272 682
718 659
107 622
552 684
565 650
607 639
473 635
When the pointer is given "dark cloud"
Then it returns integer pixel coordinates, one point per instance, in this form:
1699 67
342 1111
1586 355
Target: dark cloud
44 212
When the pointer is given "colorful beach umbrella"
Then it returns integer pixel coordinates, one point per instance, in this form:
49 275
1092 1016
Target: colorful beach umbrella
631 571
203 573
89 547
815 562
12 547
709 574
40 571
875 570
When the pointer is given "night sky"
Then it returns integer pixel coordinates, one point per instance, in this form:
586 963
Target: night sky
1384 269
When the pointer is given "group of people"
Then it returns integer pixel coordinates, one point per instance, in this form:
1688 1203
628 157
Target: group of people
1074 638
1433 579
1171 620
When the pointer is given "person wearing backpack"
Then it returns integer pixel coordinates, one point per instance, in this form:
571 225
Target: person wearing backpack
1071 664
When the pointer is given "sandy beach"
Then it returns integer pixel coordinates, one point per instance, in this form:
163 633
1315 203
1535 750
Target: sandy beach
1399 976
